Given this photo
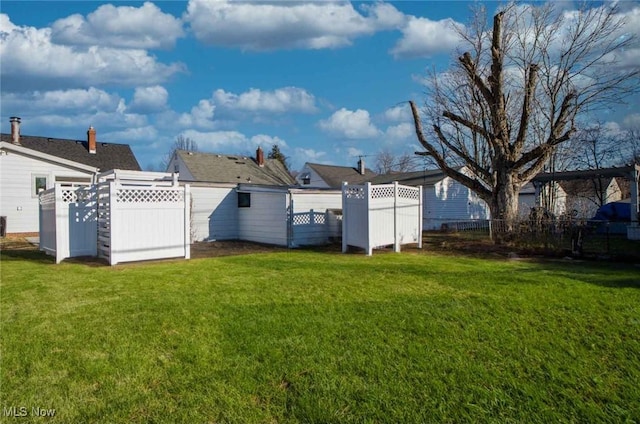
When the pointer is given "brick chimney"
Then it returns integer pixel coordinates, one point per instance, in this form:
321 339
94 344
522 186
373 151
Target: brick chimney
15 130
91 140
361 168
260 156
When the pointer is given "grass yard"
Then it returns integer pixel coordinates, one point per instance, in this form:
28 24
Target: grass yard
320 337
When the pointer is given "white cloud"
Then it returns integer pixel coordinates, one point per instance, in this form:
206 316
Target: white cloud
400 113
144 27
632 121
281 100
400 132
276 25
31 61
57 101
231 142
352 151
422 37
129 135
349 124
201 116
149 99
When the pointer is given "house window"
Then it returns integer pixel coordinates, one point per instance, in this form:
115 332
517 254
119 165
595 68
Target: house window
244 200
38 184
306 178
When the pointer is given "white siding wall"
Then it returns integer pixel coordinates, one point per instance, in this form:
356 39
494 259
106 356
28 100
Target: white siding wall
18 203
182 169
447 201
315 180
214 213
266 220
312 229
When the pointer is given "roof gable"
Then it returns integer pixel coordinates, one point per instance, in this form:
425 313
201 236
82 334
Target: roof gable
334 175
108 155
45 157
211 167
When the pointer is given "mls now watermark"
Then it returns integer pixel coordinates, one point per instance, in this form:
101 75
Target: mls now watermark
23 411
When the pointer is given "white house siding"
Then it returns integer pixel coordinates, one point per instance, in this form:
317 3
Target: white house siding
315 181
449 201
309 225
265 221
526 200
19 202
214 213
177 165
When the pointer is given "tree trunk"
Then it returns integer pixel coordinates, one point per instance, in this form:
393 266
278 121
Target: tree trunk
504 207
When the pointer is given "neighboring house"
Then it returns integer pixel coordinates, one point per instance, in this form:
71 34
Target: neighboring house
526 200
444 199
236 169
315 175
29 165
582 192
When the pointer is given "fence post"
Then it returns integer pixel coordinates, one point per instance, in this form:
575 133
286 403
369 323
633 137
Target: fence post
187 221
396 239
114 238
367 199
345 213
57 207
420 206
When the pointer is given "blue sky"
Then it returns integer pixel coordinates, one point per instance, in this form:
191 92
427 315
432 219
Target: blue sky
325 81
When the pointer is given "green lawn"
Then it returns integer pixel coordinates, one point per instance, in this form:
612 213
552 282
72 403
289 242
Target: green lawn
321 337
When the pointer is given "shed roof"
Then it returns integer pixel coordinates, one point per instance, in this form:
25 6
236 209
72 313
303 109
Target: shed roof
334 175
415 178
217 168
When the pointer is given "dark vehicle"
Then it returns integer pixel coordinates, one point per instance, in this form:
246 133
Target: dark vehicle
611 217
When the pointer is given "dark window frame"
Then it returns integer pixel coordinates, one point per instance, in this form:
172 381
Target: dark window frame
244 199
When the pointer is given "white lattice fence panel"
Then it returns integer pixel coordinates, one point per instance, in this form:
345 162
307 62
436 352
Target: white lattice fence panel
408 193
137 195
382 192
301 219
354 192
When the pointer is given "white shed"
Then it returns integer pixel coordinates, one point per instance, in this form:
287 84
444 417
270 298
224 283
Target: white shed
286 216
214 212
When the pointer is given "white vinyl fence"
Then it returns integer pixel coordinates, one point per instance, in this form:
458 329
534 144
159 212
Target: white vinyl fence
127 216
68 222
381 215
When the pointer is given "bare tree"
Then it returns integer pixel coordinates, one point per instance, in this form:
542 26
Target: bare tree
633 143
514 95
387 162
181 143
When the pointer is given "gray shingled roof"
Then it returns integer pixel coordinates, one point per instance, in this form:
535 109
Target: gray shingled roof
334 176
416 178
216 168
108 155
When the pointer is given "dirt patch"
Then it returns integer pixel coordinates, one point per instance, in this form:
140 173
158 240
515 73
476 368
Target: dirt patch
230 248
16 243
